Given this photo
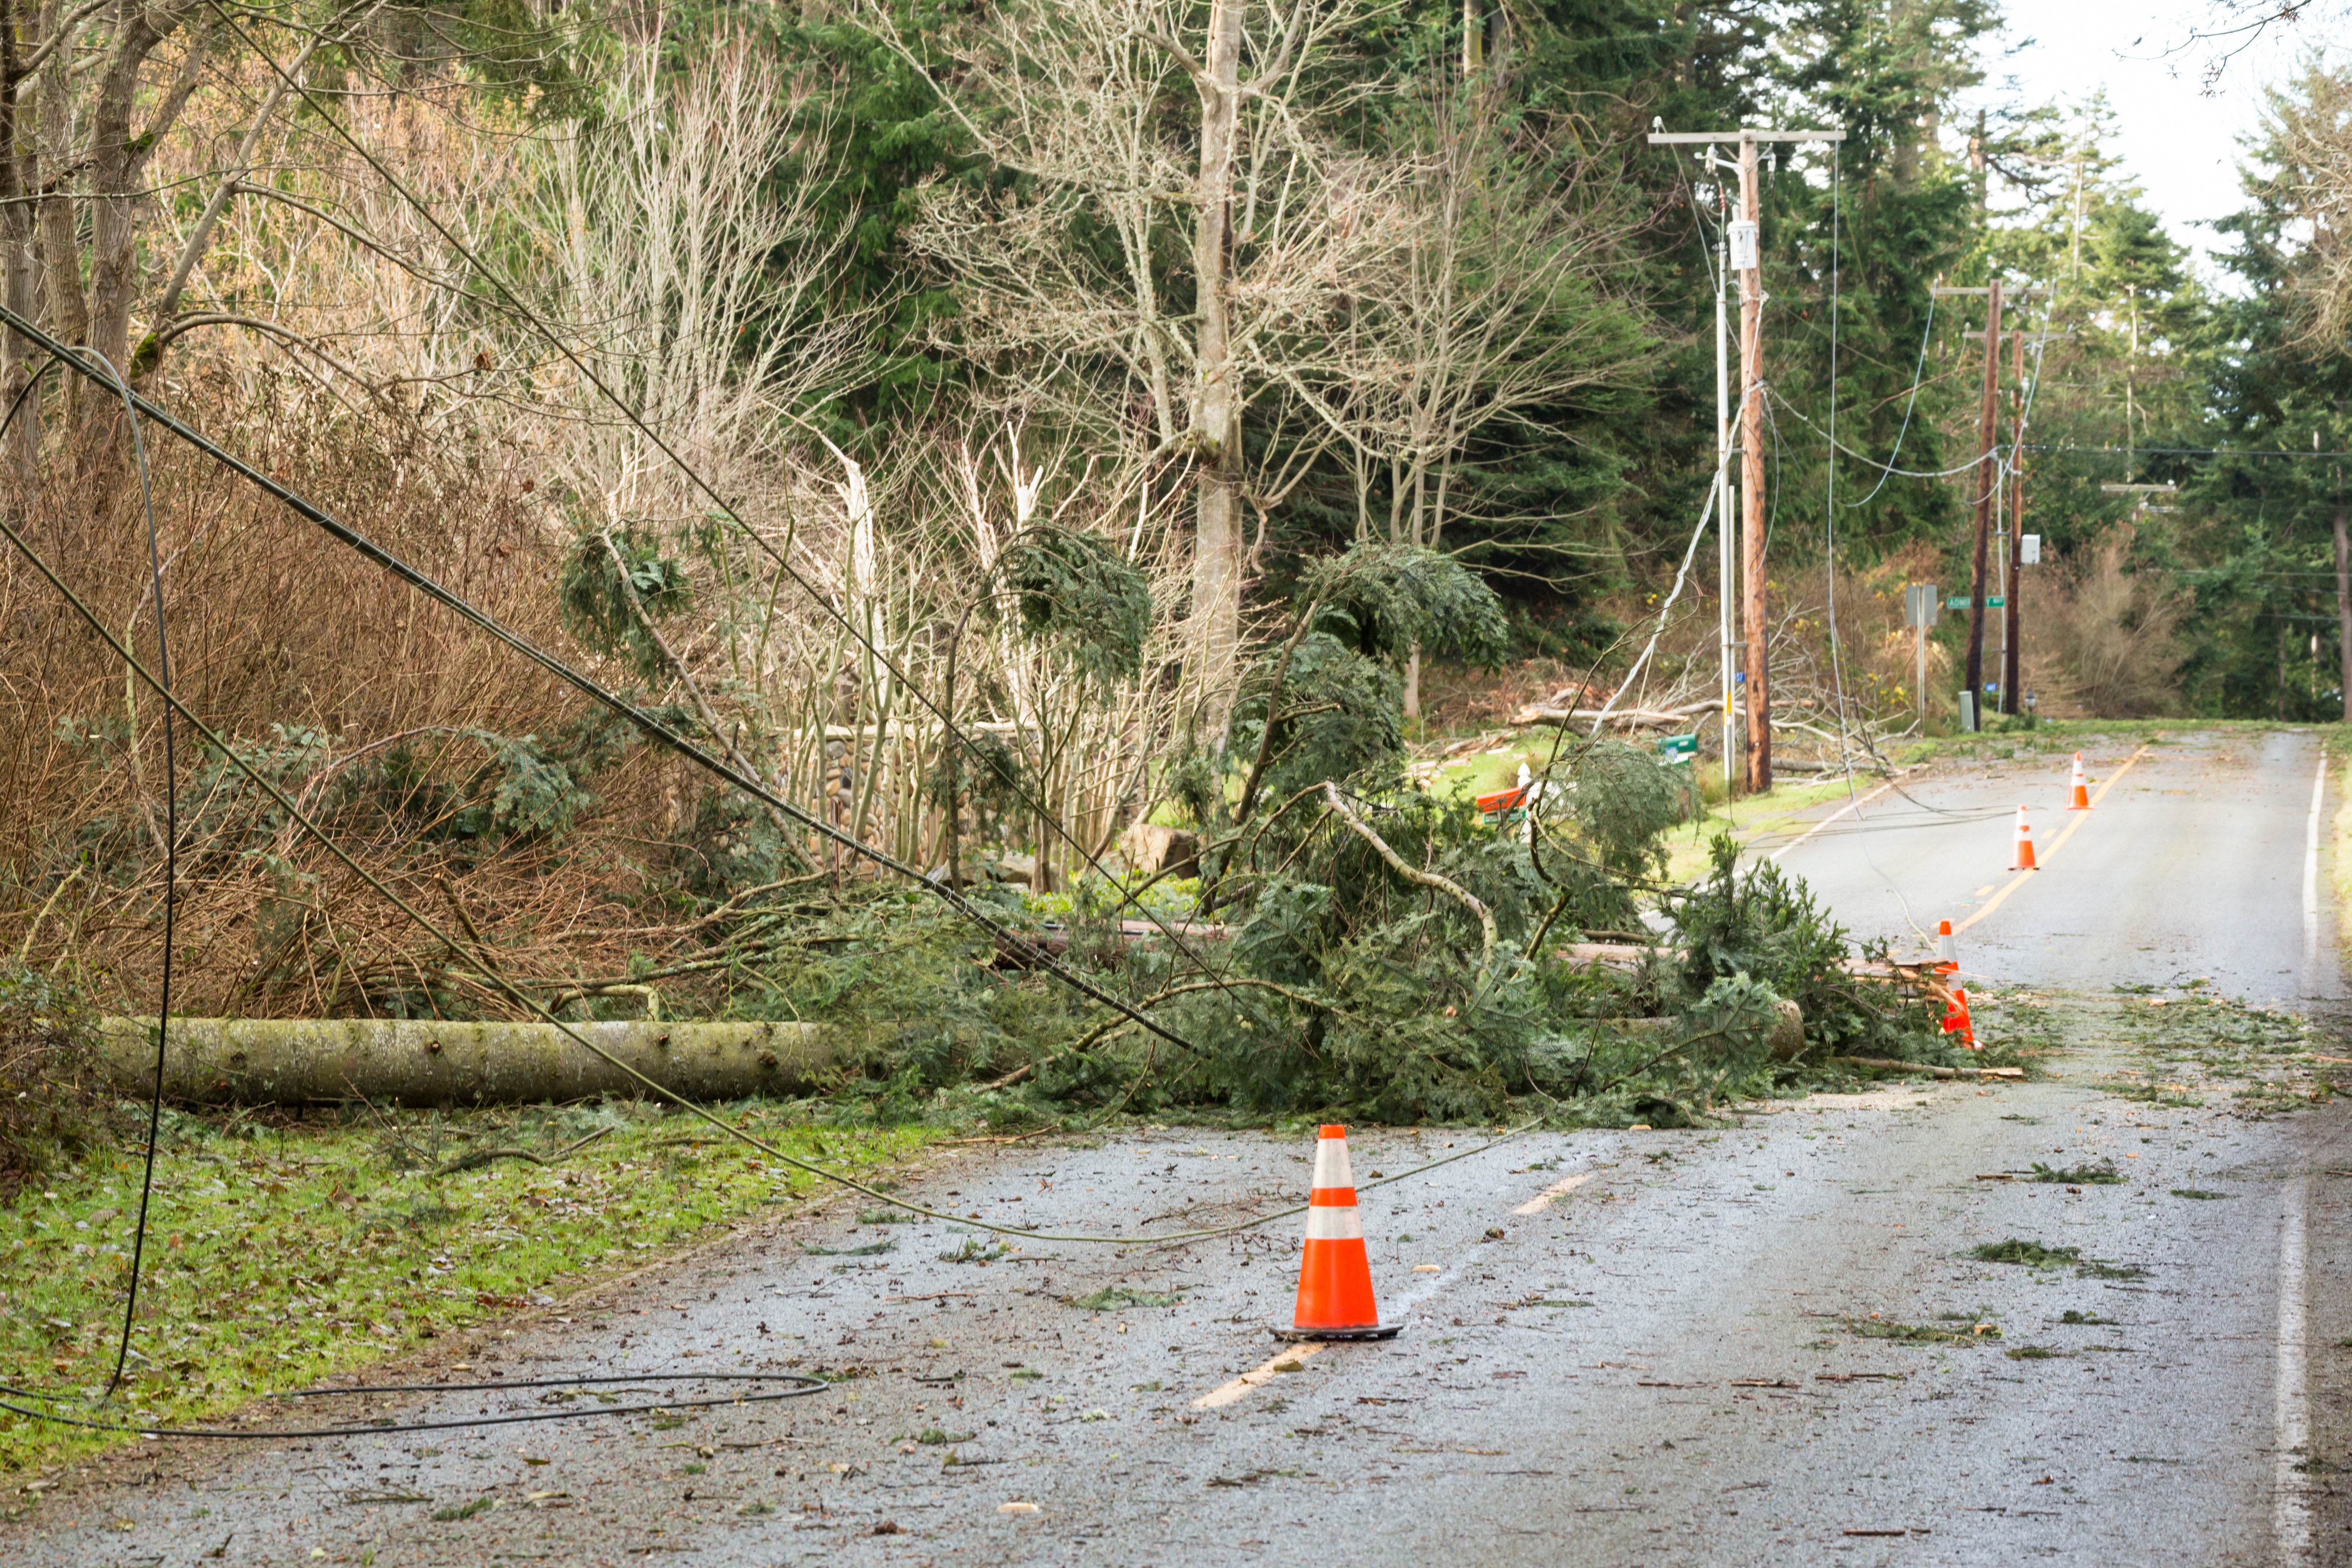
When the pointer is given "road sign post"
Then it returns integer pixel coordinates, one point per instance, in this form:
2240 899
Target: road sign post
1920 608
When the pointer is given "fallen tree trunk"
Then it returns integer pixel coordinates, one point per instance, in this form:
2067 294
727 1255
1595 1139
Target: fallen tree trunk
1931 1071
1632 718
421 1062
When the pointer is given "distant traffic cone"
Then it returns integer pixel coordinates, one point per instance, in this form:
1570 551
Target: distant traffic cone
1335 1279
1947 949
1956 1017
2081 800
2024 859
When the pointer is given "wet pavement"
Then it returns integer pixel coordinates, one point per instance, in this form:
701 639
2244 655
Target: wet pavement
1752 1344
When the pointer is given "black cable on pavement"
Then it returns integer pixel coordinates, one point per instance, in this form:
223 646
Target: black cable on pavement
804 1385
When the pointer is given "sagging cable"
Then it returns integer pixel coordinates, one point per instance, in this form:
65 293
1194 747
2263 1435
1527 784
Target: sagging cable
758 789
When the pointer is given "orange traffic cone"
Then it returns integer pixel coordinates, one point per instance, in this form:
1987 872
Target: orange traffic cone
1956 1017
2024 859
1947 950
2081 800
1335 1279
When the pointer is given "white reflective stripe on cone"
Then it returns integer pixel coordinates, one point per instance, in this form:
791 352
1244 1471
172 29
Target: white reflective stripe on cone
1326 1223
1331 1164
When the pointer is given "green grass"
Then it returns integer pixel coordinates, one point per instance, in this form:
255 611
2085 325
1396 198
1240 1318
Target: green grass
282 1254
2103 1175
2031 1254
1750 814
1118 1298
1951 1333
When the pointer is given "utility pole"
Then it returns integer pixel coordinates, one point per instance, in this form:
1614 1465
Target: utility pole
1752 581
2343 586
1988 482
1745 258
2013 628
1726 572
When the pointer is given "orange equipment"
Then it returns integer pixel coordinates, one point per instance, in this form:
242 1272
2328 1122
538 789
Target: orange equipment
1335 1279
2082 795
1956 1018
2024 857
1947 950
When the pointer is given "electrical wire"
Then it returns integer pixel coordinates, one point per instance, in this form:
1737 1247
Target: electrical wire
804 1386
171 869
1705 512
160 684
1837 661
514 993
758 789
1976 462
1918 373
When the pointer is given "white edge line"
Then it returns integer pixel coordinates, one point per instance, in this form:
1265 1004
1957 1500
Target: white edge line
2290 1510
2311 879
1257 1375
1832 816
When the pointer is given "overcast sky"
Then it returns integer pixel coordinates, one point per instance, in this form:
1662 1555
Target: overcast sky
2179 138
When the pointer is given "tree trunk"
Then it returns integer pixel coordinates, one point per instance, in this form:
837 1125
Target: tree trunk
18 277
1216 413
2343 606
61 268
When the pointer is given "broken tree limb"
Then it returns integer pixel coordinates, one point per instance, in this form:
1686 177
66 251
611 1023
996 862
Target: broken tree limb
426 1062
1489 935
1633 717
1931 1071
1787 1040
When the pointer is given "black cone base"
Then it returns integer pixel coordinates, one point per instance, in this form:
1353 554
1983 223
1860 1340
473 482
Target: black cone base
1377 1332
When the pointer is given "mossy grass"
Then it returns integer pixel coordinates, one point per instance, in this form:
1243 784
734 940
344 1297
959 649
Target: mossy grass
286 1251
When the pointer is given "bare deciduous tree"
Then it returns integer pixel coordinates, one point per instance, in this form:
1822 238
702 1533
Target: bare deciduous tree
1496 299
1151 272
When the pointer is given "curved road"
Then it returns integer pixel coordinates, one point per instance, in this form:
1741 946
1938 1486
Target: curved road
1758 1344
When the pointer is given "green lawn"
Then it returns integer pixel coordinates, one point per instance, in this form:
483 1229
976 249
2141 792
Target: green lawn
279 1253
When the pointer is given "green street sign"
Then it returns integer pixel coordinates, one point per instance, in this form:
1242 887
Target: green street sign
1962 602
1677 748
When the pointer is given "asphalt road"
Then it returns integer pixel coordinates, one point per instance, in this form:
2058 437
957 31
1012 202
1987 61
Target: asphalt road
2193 864
1617 1347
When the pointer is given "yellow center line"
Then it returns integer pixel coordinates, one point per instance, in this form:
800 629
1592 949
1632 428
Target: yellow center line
2055 844
1257 1375
1558 1189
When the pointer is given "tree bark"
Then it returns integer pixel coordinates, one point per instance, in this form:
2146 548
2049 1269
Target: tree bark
435 1062
1216 412
118 161
19 164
